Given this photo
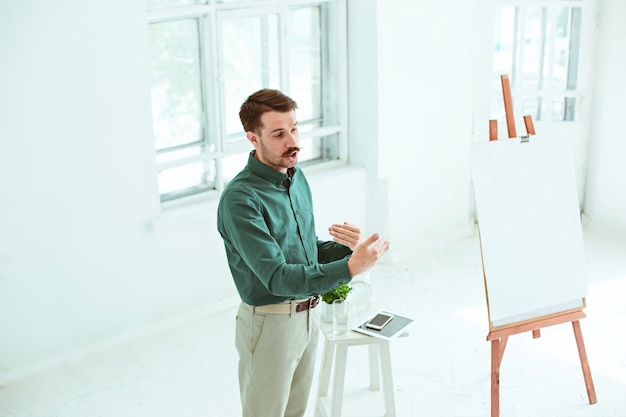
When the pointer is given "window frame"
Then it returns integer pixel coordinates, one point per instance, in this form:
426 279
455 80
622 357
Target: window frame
217 143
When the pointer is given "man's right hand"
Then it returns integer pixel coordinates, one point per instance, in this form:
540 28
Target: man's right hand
366 254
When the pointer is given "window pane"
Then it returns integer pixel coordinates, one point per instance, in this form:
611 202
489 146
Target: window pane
557 49
569 109
251 62
161 4
529 107
316 148
176 83
538 46
181 178
503 56
497 107
310 148
320 149
194 175
532 47
305 61
574 48
233 164
561 48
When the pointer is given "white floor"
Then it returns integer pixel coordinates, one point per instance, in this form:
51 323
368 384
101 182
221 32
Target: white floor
441 369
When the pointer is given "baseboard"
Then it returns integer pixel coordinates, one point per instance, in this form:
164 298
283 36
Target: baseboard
599 227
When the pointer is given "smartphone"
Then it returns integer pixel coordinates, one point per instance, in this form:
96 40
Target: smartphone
379 321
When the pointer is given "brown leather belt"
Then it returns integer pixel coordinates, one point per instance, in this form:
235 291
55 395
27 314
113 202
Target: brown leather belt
285 308
311 303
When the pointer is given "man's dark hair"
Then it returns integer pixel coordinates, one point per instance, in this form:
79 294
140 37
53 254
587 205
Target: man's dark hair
261 102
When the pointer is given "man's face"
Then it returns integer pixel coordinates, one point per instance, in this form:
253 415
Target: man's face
277 143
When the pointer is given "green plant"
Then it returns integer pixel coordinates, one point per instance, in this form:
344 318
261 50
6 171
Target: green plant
341 292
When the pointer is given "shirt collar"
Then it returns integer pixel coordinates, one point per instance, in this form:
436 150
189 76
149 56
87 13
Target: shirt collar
268 173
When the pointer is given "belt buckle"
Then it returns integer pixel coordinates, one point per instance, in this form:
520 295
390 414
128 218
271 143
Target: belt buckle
313 302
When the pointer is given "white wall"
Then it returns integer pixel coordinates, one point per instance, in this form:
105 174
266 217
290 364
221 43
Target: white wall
605 202
412 92
79 261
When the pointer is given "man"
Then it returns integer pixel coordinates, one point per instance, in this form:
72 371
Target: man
265 217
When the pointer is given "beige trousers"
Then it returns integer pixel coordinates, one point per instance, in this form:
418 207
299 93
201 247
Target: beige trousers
277 355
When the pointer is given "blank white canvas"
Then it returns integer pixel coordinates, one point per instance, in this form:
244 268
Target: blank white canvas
530 231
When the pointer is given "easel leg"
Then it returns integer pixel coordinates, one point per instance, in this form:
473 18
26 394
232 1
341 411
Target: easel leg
496 356
591 391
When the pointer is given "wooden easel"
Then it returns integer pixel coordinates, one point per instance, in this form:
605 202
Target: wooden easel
499 335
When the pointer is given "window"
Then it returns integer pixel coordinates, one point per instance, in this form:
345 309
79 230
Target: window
207 57
537 44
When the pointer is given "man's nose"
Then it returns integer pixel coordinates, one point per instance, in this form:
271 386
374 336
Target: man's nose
292 140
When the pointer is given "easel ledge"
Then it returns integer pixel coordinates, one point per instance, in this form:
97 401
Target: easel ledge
535 324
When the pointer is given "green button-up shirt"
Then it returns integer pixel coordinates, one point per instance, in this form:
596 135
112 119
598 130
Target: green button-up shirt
269 234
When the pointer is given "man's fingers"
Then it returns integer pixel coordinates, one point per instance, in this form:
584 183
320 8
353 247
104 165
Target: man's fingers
370 240
350 227
383 245
346 228
346 233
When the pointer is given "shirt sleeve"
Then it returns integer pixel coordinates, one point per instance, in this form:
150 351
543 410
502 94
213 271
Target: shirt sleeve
331 251
255 251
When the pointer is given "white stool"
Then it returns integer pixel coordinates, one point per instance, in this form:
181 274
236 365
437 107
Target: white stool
336 347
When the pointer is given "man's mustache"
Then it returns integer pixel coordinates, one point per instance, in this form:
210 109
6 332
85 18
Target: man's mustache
292 150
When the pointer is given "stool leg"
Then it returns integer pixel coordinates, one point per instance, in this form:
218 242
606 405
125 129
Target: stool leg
385 359
374 368
340 377
327 363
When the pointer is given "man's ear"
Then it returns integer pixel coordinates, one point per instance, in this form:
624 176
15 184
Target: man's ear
253 138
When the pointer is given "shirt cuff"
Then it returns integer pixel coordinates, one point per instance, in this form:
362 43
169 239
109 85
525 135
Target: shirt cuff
338 271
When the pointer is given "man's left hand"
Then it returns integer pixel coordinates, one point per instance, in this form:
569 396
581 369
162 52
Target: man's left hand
347 234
